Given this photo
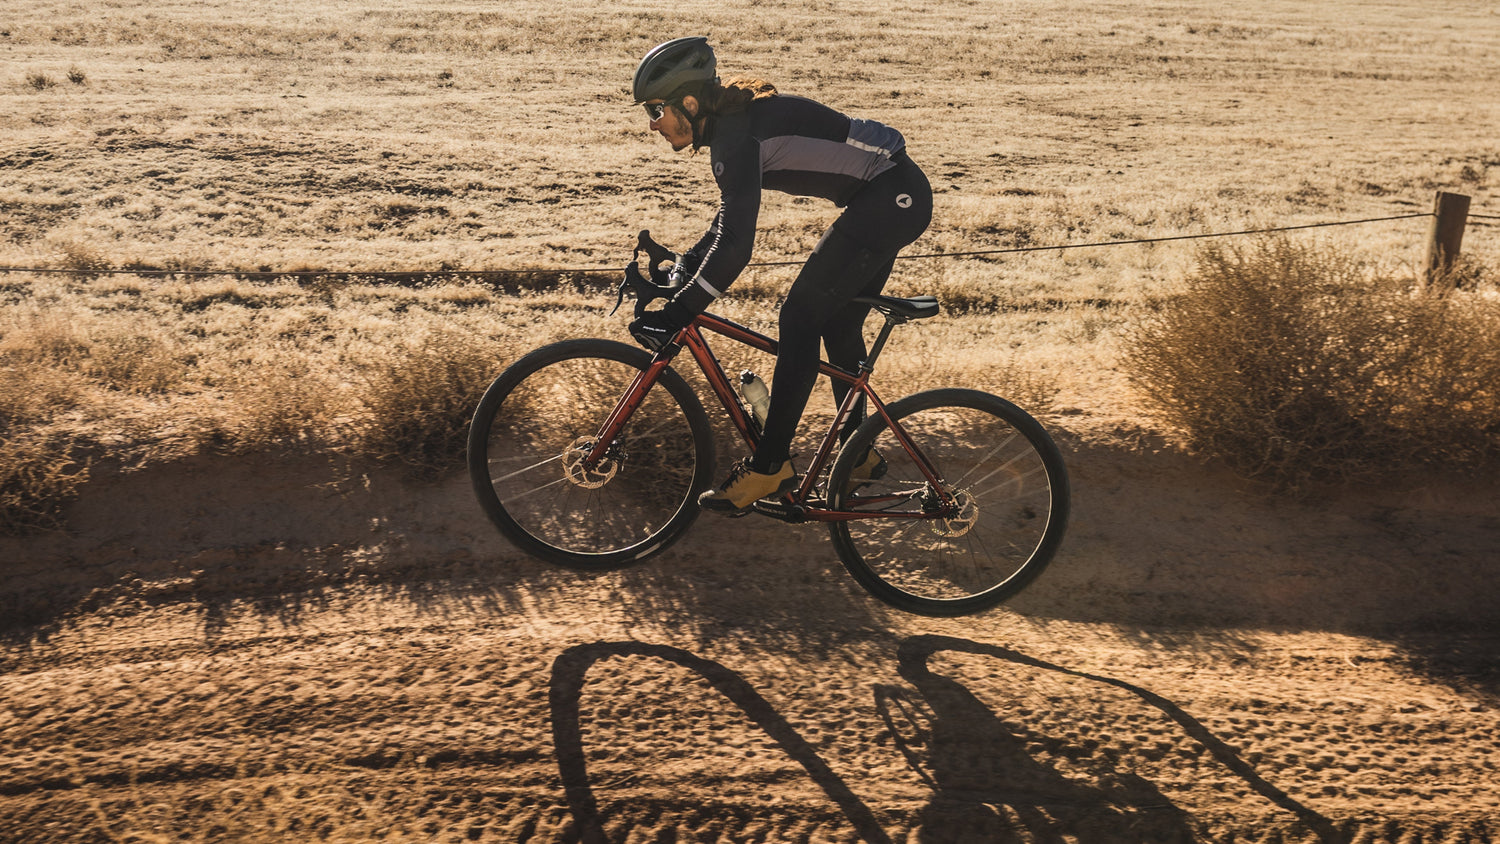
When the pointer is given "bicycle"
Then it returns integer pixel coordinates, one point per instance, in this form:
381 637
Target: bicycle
591 453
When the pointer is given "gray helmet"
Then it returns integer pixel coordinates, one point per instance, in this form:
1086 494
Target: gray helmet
671 65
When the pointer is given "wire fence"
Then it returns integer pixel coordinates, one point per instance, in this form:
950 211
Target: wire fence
417 276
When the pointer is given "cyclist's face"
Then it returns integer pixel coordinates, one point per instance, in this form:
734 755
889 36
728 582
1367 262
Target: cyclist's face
674 124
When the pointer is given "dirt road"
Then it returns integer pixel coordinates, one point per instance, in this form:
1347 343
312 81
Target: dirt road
247 652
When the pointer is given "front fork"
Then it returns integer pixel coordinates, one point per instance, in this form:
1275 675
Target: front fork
600 458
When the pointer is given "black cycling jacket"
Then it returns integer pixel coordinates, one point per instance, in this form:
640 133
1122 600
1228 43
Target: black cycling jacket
788 144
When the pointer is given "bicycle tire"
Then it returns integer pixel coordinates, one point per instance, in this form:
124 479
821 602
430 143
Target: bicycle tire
541 414
1007 474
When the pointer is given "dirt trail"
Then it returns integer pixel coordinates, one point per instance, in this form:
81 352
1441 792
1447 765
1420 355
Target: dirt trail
233 651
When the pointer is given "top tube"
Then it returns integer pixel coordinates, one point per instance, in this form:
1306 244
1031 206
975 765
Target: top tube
756 340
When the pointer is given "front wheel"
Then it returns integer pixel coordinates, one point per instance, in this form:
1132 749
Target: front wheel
540 419
971 537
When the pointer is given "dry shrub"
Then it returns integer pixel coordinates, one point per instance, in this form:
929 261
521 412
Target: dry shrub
44 337
1465 274
38 354
87 261
54 349
419 399
1297 365
39 475
195 296
136 363
285 405
30 393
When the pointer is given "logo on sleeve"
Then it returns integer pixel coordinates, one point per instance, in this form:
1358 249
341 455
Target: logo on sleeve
903 201
718 169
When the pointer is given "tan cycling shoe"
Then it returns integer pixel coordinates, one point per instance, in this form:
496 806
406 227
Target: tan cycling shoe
744 487
873 467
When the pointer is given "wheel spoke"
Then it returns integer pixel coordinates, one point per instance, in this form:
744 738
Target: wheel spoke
983 459
524 493
519 472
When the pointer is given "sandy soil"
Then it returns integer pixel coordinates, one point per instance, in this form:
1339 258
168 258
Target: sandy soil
244 650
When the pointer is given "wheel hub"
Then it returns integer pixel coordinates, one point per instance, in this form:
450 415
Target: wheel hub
580 475
964 519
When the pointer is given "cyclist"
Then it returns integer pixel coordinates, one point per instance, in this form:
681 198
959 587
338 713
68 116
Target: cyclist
758 139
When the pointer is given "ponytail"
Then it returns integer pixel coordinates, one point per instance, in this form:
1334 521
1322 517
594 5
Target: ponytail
731 97
737 94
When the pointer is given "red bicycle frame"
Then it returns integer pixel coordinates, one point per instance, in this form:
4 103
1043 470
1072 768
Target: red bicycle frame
691 338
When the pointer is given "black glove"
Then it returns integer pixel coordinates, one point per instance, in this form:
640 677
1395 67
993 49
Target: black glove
655 329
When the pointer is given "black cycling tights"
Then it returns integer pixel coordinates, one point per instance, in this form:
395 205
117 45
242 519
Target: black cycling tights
854 258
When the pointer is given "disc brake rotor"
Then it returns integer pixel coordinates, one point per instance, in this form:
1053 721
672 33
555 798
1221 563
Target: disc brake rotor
968 515
602 473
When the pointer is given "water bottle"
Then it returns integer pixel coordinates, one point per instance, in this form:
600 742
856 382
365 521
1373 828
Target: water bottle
756 395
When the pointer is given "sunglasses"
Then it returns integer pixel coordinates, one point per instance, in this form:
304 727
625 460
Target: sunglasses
655 110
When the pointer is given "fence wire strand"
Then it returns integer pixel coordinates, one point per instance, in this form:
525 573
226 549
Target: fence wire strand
578 271
1171 238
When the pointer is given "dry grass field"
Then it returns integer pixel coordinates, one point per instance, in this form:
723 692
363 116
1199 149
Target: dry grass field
263 606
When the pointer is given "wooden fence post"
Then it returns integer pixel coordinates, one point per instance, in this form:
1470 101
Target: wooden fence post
1450 214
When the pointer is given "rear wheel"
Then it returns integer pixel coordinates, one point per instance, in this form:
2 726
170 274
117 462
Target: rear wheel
978 536
538 421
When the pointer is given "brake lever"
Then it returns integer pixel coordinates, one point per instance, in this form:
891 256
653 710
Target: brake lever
646 289
632 281
619 299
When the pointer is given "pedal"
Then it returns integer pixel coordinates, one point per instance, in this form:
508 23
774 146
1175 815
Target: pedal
782 510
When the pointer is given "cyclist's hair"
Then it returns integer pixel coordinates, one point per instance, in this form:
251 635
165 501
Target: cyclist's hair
732 96
737 94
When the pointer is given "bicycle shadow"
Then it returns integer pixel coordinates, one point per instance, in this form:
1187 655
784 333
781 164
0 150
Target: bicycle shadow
987 778
569 672
987 785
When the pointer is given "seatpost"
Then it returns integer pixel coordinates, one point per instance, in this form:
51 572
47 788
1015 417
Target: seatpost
885 332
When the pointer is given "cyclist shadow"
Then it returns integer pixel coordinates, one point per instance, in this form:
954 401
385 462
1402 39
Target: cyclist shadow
570 670
989 787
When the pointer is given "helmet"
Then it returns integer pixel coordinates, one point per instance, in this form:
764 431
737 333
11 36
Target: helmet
671 65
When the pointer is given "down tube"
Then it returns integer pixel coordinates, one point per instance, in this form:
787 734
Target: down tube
718 381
